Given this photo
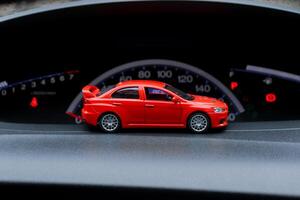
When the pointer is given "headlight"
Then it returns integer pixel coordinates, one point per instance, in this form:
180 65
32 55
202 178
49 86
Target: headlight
219 110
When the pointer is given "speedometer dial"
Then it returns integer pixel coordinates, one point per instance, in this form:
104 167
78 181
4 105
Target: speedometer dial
186 77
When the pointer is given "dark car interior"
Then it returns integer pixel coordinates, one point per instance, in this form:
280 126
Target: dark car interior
244 54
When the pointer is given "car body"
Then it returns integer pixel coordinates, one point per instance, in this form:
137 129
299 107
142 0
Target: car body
151 104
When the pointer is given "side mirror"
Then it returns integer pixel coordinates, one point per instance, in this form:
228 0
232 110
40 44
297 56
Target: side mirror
175 99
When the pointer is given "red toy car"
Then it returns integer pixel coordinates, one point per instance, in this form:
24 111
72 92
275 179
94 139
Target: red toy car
146 104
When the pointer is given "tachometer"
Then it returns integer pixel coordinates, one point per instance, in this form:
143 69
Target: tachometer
35 97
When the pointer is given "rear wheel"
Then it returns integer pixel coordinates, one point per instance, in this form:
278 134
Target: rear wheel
109 123
198 123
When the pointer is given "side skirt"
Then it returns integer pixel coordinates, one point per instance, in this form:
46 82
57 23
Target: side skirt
156 126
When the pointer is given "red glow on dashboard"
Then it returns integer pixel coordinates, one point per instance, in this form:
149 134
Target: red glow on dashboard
34 102
234 85
271 97
72 72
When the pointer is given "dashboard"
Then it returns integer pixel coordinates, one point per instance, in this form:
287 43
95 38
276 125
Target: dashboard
244 55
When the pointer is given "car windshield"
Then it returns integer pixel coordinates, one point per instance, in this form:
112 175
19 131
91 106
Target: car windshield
179 92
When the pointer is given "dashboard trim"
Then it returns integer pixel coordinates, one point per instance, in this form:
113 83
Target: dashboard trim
96 2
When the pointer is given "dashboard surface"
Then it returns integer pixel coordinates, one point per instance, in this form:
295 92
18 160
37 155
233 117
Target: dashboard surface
249 158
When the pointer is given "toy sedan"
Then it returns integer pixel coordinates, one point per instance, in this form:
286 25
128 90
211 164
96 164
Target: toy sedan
150 104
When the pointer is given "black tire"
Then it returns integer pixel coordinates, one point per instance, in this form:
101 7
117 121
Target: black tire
109 123
202 126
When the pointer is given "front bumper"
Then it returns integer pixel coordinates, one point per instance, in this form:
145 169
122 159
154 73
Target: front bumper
219 120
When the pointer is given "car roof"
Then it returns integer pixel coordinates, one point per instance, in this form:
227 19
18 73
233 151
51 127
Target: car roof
142 83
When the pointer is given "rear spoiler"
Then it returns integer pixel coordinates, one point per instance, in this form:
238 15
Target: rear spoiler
90 91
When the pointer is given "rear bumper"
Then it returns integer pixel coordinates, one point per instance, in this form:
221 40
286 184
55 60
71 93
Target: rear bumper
89 116
219 120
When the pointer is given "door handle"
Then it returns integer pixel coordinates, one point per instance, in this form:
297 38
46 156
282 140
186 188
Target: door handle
116 104
149 105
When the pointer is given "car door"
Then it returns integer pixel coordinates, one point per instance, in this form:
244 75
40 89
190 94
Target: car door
128 103
159 107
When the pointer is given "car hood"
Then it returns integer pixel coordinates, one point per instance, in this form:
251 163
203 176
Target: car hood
209 101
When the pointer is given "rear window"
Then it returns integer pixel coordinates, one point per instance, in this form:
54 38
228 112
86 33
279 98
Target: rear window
127 93
106 89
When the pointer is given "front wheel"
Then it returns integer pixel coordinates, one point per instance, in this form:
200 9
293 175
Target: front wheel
109 123
198 123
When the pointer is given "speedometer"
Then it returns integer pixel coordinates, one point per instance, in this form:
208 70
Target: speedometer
181 75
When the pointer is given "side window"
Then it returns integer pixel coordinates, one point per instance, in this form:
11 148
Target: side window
157 94
127 93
